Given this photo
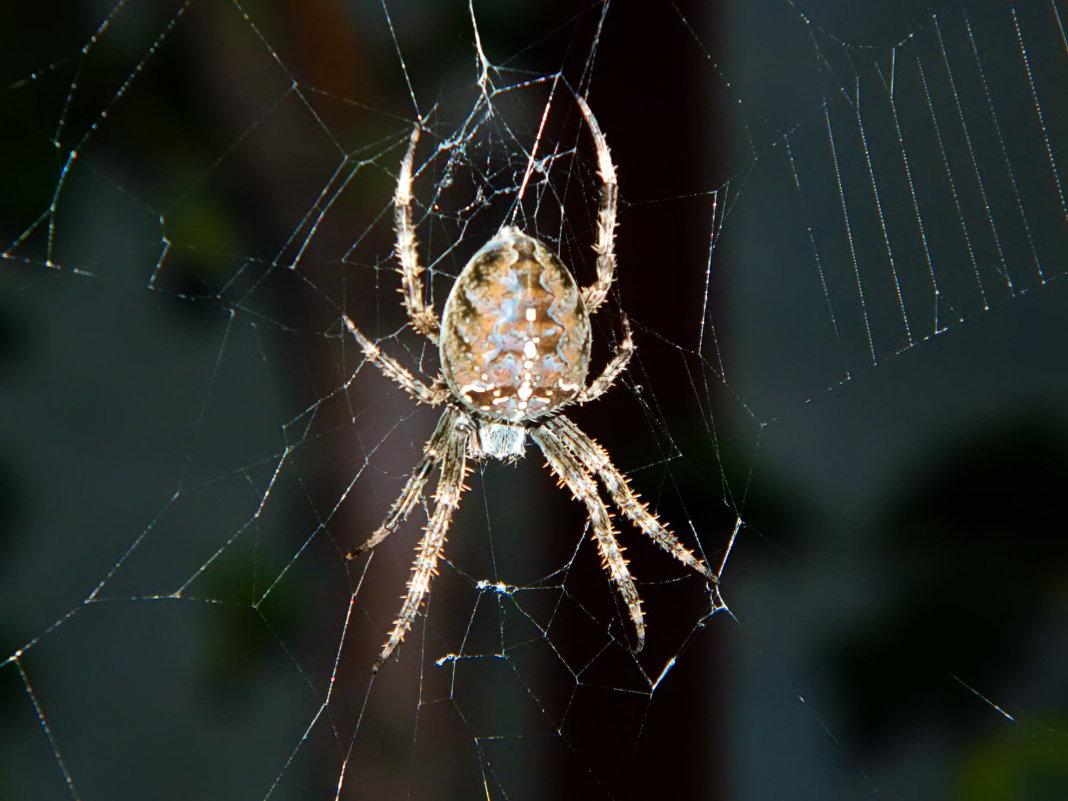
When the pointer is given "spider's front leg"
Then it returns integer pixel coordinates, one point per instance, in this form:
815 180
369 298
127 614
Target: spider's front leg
595 459
413 488
578 479
453 460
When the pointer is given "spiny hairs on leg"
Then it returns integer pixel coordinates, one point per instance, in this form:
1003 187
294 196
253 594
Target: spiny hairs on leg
582 486
616 365
453 463
413 488
393 369
595 459
595 294
424 318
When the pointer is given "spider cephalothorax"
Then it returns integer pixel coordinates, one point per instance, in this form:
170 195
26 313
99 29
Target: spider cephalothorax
515 348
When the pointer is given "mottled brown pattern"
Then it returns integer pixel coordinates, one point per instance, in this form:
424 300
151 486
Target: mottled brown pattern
515 347
515 341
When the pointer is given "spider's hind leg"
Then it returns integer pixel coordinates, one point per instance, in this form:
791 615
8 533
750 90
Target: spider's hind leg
424 318
594 295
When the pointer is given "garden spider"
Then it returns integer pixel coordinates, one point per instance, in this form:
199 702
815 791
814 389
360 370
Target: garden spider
514 343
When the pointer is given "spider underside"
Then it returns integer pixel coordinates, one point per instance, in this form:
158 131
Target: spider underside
514 340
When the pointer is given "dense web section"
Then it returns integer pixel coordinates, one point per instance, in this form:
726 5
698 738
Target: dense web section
842 254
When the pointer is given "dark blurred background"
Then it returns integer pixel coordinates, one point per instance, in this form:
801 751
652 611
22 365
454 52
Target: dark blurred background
841 248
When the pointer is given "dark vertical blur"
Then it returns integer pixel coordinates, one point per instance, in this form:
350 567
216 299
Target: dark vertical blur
652 89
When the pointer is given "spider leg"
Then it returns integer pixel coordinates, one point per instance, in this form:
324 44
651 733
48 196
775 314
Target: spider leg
393 369
453 461
413 489
577 478
594 458
423 317
612 370
604 246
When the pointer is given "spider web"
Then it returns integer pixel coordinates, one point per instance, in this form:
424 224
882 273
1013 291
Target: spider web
841 251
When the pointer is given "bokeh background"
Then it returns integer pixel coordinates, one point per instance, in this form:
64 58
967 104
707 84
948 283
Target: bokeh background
866 373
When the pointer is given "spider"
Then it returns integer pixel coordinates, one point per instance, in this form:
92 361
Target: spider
514 343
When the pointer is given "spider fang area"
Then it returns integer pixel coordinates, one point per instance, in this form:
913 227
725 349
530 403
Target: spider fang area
502 441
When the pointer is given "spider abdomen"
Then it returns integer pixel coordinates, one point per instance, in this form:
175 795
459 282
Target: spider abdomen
515 334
